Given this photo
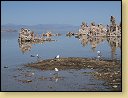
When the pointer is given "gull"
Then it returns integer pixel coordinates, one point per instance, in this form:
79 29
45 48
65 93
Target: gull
56 72
37 55
98 56
32 56
56 69
98 52
57 57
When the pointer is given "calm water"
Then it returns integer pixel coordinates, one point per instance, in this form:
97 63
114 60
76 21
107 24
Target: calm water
14 55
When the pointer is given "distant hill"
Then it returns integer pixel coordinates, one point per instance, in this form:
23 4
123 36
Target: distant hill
42 27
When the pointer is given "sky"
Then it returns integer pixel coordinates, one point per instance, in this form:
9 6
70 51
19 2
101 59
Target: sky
59 12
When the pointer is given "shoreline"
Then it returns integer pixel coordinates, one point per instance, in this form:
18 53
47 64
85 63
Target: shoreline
72 62
106 70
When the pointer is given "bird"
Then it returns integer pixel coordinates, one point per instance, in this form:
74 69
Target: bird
57 57
37 55
5 66
98 52
32 56
56 69
98 56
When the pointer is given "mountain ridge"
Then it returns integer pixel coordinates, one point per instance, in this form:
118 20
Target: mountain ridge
42 27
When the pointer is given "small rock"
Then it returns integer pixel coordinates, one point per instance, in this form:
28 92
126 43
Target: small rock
97 73
115 73
25 81
29 81
20 69
33 73
50 87
29 74
105 73
14 76
111 76
43 78
113 80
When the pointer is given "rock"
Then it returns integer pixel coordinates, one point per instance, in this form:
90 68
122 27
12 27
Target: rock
50 87
14 76
115 73
33 73
113 29
25 81
43 78
111 76
69 34
106 73
99 30
29 74
26 34
113 80
99 74
29 81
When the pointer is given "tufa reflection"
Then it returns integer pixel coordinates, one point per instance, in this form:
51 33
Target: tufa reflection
27 38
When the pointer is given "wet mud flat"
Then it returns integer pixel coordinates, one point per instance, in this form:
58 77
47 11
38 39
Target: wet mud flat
106 70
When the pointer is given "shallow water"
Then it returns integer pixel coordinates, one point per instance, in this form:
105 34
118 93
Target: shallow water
14 56
65 80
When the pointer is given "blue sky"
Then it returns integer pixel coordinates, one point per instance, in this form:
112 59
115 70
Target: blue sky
59 12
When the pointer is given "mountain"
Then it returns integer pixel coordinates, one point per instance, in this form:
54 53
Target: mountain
43 27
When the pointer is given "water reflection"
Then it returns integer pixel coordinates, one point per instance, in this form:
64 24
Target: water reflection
26 46
93 41
114 42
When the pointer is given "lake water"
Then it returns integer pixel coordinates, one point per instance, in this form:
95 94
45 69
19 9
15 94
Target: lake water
14 55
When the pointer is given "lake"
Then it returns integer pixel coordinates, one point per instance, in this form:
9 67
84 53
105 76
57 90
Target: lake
14 55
